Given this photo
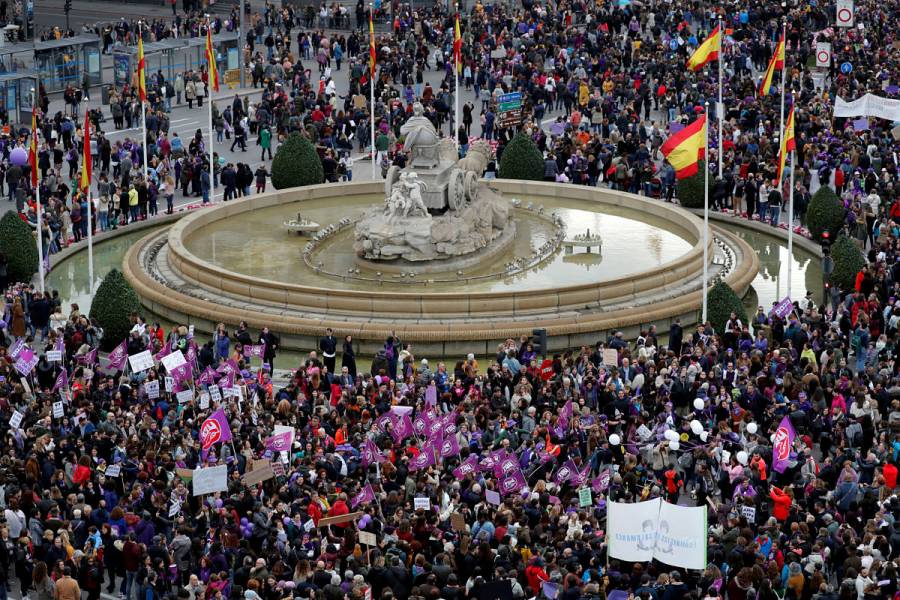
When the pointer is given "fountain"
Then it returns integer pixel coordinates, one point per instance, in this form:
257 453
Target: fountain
301 225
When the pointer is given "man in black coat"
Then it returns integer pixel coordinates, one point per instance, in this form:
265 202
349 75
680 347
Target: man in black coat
328 346
676 335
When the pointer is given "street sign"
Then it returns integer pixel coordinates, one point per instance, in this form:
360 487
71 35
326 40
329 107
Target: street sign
509 109
846 68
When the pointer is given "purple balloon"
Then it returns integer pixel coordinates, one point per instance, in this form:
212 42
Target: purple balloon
244 521
18 156
219 503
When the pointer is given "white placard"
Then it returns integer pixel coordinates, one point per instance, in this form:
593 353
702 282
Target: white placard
644 432
54 355
823 54
170 384
214 393
368 538
726 457
142 361
174 509
152 389
190 331
59 409
238 392
423 503
309 525
16 419
185 396
210 480
204 400
173 360
749 512
113 470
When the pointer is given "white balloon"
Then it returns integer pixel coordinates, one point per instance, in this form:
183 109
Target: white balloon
615 440
742 457
674 445
670 435
696 427
703 436
751 428
699 404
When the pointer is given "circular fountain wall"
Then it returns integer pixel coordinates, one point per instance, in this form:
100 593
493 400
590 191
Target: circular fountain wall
237 262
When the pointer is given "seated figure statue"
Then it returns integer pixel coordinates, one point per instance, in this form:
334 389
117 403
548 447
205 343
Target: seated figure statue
421 139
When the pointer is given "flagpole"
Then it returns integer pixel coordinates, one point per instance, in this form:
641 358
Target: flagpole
37 193
209 85
372 70
790 224
720 109
90 224
783 85
453 130
143 114
706 208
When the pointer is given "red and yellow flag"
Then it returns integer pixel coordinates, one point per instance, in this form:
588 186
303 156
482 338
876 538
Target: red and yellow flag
141 81
706 52
372 53
776 63
457 45
211 60
788 144
684 149
33 149
85 184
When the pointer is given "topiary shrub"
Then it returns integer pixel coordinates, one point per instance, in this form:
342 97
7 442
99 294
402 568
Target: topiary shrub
690 189
521 159
296 163
824 213
848 260
18 243
721 301
114 302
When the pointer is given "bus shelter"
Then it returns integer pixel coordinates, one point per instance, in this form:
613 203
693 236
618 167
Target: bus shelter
16 95
175 55
68 60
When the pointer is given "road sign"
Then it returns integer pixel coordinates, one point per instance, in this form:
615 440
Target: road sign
507 102
844 12
846 68
823 54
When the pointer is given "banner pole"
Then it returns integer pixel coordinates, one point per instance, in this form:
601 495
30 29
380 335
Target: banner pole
706 213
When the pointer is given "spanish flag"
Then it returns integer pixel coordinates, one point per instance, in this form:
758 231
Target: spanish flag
776 63
706 52
787 144
142 85
211 60
457 46
684 149
85 185
372 53
33 149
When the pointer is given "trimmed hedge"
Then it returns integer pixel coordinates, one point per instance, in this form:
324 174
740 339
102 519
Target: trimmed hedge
114 302
296 164
848 260
690 189
521 159
721 301
825 213
19 244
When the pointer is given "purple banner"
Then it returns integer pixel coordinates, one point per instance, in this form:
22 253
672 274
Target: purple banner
366 495
782 444
468 467
119 356
513 483
783 308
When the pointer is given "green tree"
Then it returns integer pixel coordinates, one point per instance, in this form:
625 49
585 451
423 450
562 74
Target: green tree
721 301
825 213
521 159
114 302
690 189
18 243
848 260
296 164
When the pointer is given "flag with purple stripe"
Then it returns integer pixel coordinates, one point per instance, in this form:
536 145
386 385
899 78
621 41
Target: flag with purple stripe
365 496
62 381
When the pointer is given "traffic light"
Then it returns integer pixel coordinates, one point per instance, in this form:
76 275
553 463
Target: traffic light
68 6
826 243
539 341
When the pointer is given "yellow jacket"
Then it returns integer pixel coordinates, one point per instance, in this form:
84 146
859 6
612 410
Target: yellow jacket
132 197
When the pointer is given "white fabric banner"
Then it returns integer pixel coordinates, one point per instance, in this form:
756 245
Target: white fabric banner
823 54
632 529
844 13
868 106
210 479
644 531
681 537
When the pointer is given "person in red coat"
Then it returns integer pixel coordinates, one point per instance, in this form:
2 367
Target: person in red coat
782 500
340 508
890 475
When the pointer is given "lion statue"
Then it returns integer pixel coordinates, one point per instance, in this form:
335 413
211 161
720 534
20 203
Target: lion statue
477 158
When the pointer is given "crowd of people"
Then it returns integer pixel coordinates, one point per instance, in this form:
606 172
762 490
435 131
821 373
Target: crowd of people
101 460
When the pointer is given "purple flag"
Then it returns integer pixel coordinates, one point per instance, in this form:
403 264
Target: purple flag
783 308
371 453
166 350
383 421
513 483
16 349
181 374
422 424
449 421
119 356
215 429
191 355
62 381
566 472
424 460
89 358
207 377
581 478
487 463
431 396
601 483
255 351
450 447
60 346
506 466
564 415
366 495
468 467
782 444
402 428
280 442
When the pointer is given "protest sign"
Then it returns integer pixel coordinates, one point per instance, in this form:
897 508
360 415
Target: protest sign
142 361
423 503
210 480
